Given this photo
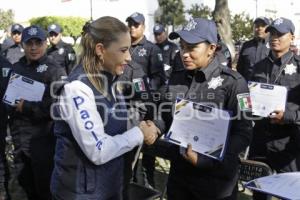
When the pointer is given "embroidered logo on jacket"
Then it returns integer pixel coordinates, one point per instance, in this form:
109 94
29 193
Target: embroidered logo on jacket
41 68
215 82
290 69
142 52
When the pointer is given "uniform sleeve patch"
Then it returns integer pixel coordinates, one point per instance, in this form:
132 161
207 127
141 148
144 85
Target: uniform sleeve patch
244 101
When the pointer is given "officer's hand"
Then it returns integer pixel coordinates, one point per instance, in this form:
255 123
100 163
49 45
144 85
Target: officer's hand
276 117
19 105
191 155
151 123
149 132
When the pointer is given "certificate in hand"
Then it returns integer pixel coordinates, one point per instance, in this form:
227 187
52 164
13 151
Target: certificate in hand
20 87
204 127
266 98
284 185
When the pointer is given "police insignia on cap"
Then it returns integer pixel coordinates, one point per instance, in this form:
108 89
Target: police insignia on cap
278 21
142 52
53 26
156 27
41 68
32 31
17 26
61 51
215 82
190 25
134 15
290 69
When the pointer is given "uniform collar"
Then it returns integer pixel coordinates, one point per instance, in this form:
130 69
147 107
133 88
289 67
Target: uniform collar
35 63
164 43
141 43
283 59
59 44
208 71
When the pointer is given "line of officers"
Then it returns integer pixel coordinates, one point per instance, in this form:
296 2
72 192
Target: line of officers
156 69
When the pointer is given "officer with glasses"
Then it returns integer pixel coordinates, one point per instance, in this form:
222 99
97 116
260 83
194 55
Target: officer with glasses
60 51
15 52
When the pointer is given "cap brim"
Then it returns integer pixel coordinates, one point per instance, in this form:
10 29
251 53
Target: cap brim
34 37
57 32
133 19
186 36
269 28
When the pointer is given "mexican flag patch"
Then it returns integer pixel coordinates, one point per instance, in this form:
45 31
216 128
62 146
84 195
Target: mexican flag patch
244 102
139 85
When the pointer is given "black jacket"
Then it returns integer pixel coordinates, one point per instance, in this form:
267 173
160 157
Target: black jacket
64 55
211 178
35 120
251 53
280 143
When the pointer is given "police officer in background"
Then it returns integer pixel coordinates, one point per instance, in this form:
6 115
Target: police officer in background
16 51
255 49
60 51
148 56
276 139
5 67
206 80
31 124
169 49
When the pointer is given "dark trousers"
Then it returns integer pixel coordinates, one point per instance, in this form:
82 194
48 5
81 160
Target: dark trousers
178 191
30 176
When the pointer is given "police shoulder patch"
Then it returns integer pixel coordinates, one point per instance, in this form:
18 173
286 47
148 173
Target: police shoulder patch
244 101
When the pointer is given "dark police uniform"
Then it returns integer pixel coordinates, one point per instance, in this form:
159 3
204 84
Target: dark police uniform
169 50
14 53
149 56
252 52
32 129
61 52
280 143
64 55
225 55
5 67
211 178
218 86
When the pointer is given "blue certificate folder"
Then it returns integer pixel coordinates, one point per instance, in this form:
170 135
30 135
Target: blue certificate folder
204 127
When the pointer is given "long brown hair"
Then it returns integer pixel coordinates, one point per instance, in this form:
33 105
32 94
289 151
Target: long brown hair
103 30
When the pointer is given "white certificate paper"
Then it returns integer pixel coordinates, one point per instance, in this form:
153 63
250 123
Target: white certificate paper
285 185
265 98
205 128
20 87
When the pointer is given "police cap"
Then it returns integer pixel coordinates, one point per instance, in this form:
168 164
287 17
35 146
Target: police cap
282 25
136 17
33 32
265 20
54 28
158 29
197 30
17 28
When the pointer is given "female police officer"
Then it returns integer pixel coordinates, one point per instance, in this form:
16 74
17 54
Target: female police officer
92 137
206 80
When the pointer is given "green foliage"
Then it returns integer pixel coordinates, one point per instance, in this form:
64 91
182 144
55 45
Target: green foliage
7 18
172 12
72 26
242 27
200 11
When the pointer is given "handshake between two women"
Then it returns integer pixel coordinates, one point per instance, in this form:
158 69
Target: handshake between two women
150 131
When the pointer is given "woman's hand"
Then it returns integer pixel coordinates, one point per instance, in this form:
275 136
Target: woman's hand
19 106
149 131
191 155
